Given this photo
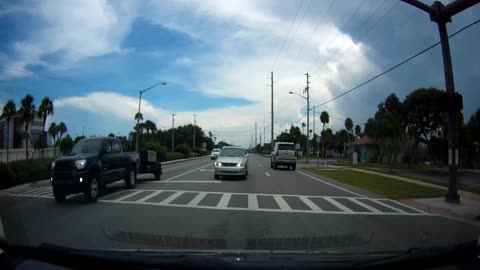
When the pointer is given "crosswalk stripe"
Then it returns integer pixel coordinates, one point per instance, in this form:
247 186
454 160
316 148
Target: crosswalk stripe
171 198
366 206
282 203
197 199
342 204
338 205
222 204
127 195
155 193
252 201
310 204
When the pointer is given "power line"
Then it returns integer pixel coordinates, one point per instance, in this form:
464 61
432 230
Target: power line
288 34
361 36
399 64
298 26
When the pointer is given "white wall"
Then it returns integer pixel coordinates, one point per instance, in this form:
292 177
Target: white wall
19 154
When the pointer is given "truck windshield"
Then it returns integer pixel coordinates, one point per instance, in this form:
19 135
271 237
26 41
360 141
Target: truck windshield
86 146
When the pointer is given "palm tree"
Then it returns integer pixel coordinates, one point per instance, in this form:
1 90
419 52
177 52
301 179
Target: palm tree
150 126
53 131
28 111
349 126
324 118
138 116
44 110
8 112
62 129
358 131
303 127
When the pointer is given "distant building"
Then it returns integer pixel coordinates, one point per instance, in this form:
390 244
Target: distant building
16 130
368 149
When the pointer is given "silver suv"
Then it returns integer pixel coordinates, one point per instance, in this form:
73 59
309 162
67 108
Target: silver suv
284 155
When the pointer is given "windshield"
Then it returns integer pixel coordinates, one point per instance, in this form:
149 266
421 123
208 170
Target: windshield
232 152
312 126
86 146
286 147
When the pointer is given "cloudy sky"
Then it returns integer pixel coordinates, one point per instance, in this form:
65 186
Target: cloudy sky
92 58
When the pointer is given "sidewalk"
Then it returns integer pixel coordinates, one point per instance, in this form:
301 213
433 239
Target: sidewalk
467 210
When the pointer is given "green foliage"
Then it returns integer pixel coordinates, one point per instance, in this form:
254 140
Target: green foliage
30 170
324 118
184 149
157 147
174 156
66 145
111 135
7 176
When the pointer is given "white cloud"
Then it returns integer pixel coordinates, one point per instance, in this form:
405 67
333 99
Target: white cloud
183 61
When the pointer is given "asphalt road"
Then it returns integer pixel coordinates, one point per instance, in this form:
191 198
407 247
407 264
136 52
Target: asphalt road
272 209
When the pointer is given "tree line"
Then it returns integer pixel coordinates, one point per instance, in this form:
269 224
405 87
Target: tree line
418 122
27 113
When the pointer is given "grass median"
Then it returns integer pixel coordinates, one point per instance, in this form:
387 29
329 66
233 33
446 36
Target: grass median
381 185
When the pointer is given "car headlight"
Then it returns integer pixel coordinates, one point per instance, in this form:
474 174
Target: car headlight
53 165
80 164
241 163
218 164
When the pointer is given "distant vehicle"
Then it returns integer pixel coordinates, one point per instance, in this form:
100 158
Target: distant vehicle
95 162
335 154
231 161
283 155
214 153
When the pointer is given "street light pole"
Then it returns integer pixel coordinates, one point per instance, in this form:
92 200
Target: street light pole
194 123
173 132
307 89
138 118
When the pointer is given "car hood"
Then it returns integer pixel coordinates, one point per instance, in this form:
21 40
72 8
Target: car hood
230 159
76 157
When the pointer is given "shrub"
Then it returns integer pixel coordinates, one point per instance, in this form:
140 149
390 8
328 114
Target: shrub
198 151
7 176
157 147
184 149
31 170
174 156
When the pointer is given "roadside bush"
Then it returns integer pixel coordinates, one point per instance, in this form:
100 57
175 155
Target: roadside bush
197 151
31 170
157 147
174 156
7 177
184 149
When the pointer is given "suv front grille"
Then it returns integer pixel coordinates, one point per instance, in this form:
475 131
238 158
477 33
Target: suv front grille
229 164
63 165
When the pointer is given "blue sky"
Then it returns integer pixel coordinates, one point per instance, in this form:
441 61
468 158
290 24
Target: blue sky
216 57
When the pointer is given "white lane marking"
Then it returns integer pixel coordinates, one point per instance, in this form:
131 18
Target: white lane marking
197 199
204 170
267 173
390 207
406 206
171 198
311 204
282 203
149 196
188 181
252 201
131 194
185 173
177 167
330 184
35 191
223 203
338 205
364 205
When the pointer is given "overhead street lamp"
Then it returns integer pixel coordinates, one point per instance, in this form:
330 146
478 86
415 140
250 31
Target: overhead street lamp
139 104
308 118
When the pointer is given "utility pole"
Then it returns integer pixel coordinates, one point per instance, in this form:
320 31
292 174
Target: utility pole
194 123
441 15
255 134
307 89
271 138
173 133
314 115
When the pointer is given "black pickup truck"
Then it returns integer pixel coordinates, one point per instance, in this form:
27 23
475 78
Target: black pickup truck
95 162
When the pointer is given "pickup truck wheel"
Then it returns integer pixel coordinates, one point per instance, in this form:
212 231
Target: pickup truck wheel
157 176
131 178
294 167
59 195
91 191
